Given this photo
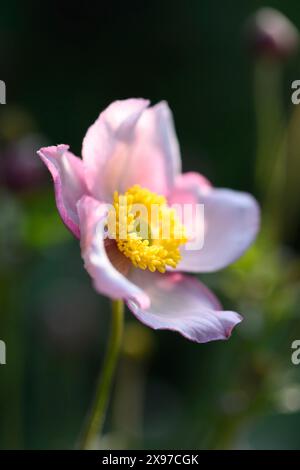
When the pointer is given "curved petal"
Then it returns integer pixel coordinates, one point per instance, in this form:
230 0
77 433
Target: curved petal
107 279
69 182
187 186
181 303
129 144
230 224
155 160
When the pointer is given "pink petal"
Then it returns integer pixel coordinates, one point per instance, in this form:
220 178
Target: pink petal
155 160
69 182
129 144
231 223
187 187
182 303
107 279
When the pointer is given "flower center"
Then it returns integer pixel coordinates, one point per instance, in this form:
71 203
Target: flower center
146 230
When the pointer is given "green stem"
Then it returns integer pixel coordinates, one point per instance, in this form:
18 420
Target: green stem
269 119
271 144
96 417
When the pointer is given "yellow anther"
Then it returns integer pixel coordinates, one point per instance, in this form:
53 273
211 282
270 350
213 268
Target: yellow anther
146 230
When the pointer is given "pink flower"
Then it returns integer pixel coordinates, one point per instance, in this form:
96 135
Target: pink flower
131 143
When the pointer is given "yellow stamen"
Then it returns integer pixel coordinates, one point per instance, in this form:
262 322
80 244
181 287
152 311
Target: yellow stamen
146 230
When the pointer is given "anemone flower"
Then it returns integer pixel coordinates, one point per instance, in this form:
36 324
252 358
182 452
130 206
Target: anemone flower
131 155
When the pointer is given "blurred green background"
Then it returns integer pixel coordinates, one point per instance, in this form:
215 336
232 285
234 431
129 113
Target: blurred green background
62 65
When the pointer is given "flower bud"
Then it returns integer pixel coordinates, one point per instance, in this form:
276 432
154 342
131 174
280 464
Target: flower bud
271 34
19 167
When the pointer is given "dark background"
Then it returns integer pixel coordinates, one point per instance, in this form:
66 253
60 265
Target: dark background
62 64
